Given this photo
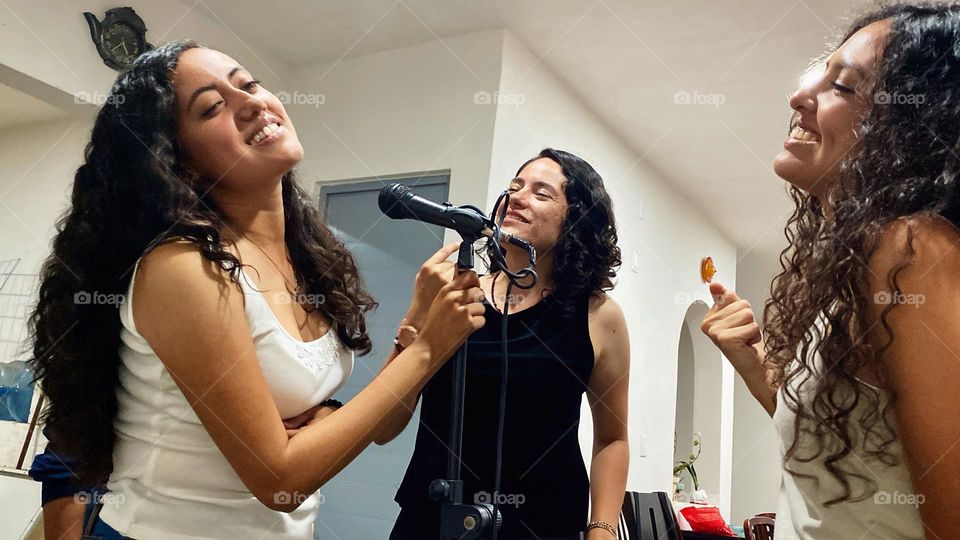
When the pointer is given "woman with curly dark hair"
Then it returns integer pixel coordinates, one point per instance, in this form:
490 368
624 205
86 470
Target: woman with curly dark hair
204 404
566 338
859 362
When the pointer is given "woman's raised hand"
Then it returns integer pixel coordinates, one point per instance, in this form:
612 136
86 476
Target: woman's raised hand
435 272
456 312
732 326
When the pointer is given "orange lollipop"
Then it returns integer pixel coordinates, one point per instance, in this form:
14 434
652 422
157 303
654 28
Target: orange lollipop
707 269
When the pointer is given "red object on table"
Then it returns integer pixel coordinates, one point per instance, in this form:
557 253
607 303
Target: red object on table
706 519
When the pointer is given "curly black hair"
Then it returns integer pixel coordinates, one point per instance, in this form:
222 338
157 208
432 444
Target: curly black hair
585 256
130 194
906 165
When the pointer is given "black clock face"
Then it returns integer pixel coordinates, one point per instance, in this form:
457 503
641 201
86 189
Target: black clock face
122 43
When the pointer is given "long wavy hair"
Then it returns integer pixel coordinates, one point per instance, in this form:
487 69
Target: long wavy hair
131 194
585 256
906 165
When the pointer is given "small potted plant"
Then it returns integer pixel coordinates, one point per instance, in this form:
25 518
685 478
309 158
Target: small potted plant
685 466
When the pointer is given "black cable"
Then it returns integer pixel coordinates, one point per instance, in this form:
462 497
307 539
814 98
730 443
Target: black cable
503 405
498 262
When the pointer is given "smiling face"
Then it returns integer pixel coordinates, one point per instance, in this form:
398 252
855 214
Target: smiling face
538 204
829 106
232 131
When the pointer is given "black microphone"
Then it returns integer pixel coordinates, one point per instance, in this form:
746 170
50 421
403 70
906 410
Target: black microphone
400 202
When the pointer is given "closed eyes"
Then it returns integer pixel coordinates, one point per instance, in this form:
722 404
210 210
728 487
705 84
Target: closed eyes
250 87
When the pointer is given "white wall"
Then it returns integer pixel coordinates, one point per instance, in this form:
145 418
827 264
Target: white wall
663 238
713 465
756 456
407 110
683 426
38 164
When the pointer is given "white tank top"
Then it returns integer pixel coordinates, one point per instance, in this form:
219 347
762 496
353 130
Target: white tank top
891 512
169 480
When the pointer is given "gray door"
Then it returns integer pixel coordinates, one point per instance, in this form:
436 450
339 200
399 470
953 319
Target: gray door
358 503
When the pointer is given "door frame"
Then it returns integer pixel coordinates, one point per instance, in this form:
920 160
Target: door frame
370 183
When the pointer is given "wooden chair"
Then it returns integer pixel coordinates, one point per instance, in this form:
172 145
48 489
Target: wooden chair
759 527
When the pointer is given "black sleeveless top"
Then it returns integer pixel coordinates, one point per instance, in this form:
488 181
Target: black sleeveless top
544 484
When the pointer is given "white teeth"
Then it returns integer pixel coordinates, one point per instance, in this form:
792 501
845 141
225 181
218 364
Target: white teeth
800 134
266 131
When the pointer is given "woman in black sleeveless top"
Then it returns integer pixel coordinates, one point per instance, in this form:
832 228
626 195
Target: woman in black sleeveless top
566 338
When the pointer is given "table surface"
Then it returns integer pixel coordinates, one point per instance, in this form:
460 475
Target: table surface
19 503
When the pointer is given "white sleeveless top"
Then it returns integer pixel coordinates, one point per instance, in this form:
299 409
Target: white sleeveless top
891 512
169 480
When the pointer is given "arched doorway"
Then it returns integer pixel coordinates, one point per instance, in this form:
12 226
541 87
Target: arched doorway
705 407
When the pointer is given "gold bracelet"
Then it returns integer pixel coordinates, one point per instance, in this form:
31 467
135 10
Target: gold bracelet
603 525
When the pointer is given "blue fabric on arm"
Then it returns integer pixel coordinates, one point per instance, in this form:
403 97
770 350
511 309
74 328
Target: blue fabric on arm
55 473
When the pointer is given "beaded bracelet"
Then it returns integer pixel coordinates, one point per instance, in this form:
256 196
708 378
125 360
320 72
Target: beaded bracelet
331 403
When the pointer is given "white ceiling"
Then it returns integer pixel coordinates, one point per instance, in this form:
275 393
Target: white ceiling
626 59
20 108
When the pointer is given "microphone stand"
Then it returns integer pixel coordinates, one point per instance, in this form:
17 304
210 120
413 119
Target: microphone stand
458 520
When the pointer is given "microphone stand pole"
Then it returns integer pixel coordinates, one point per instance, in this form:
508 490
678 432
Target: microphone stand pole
460 521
